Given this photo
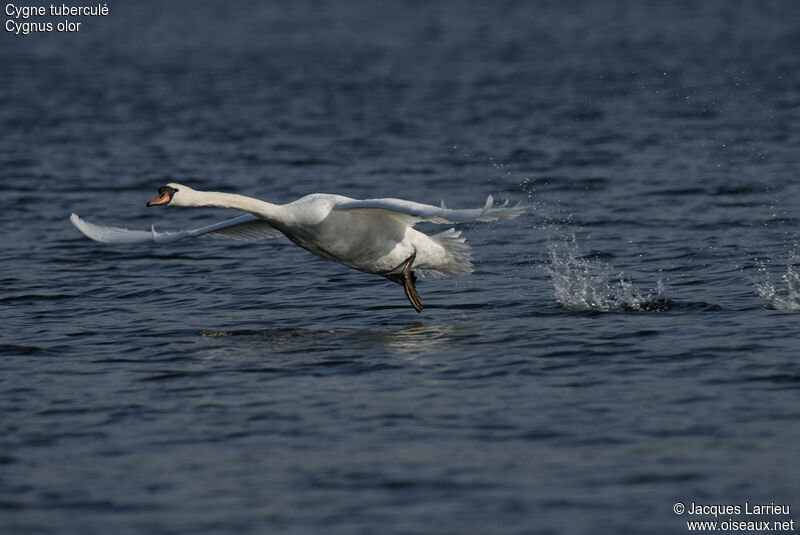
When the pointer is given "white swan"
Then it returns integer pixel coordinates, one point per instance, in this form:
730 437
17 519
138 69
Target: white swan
374 236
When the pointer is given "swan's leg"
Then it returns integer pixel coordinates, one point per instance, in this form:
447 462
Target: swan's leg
407 278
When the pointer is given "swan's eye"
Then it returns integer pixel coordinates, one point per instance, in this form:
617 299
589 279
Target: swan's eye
167 190
165 194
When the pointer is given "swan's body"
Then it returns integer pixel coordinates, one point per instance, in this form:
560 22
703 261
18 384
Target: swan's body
374 236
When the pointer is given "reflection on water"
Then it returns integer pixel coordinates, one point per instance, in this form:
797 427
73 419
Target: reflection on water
412 339
417 338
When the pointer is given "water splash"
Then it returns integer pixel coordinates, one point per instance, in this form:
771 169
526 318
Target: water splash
585 284
783 294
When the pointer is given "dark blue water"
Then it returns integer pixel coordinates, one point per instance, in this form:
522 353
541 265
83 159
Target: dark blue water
630 342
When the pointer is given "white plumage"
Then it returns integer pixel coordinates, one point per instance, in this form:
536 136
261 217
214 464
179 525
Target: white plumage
374 235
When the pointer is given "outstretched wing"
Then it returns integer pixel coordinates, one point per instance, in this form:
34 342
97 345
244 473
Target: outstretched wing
413 212
246 227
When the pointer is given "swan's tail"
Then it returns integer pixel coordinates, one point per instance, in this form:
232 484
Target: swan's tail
458 252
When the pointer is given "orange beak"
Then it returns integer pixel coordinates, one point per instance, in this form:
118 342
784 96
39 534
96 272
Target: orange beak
163 198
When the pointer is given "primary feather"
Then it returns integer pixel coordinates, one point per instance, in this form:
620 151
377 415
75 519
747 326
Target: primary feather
247 227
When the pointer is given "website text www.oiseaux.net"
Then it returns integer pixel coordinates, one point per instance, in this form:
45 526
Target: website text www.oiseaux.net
723 517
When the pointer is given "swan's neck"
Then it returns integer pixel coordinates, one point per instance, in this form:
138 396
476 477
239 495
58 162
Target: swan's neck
262 209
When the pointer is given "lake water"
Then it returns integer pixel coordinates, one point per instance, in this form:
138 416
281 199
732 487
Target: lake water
629 343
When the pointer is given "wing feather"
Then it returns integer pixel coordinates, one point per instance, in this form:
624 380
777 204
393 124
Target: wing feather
413 212
246 227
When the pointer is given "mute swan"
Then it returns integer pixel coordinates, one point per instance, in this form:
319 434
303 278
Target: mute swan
374 236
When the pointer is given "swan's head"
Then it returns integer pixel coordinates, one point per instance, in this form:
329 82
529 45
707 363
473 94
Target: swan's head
173 195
